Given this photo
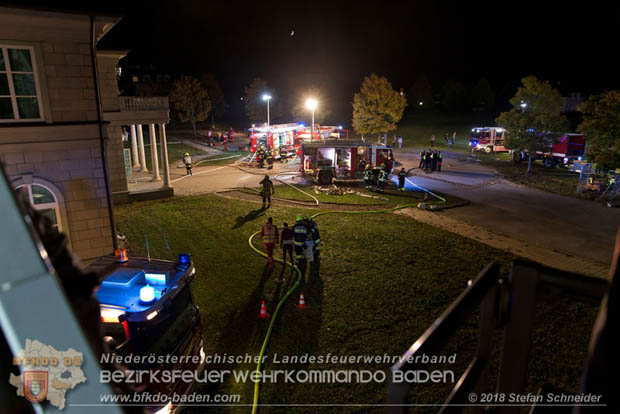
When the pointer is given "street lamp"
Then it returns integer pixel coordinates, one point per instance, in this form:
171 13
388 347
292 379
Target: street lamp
267 97
523 106
311 105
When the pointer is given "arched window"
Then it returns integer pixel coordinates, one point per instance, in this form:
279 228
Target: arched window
43 200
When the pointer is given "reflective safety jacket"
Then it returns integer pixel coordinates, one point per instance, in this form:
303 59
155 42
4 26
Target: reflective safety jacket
314 231
402 174
382 175
269 233
300 233
187 160
440 156
367 174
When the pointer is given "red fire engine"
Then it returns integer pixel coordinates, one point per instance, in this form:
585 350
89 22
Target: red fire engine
285 139
334 158
488 139
565 150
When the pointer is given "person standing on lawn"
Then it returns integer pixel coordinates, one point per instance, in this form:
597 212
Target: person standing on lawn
422 155
316 237
187 160
439 160
400 141
368 177
453 137
381 180
269 233
402 174
300 234
286 242
432 140
267 191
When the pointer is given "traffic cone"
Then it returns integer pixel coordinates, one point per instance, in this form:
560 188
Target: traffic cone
263 311
302 302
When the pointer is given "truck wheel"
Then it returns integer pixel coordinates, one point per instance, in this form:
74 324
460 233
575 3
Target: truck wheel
488 150
324 177
516 157
549 162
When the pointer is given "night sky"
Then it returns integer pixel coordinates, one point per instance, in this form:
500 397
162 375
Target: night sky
336 43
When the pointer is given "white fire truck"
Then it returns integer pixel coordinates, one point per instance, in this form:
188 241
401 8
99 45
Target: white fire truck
487 139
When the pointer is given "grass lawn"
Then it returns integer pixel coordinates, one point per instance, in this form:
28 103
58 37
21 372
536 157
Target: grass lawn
391 197
176 151
381 280
554 180
416 129
223 159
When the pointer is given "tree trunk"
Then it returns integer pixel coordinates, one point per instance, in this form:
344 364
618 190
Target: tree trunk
529 162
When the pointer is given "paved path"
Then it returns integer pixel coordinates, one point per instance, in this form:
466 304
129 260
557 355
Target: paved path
564 232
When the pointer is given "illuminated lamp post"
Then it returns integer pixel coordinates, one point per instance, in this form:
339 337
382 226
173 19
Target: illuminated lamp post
311 105
267 98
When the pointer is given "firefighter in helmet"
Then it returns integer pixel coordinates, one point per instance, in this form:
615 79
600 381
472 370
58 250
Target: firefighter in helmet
267 191
187 160
313 228
300 235
368 176
382 177
402 174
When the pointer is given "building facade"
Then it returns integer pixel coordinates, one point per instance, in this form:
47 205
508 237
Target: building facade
52 143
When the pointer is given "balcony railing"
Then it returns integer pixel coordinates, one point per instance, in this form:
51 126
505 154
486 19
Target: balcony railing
143 103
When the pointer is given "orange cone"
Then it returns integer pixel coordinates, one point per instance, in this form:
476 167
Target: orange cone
263 311
302 302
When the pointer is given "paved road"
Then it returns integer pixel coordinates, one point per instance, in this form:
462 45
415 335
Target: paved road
577 227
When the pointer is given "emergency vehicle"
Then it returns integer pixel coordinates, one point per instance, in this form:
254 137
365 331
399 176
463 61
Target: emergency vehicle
488 139
338 158
564 151
147 308
285 139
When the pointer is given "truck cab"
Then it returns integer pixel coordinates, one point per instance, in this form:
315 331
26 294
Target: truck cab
147 308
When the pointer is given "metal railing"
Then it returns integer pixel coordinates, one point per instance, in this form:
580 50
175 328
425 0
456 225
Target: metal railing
503 303
143 103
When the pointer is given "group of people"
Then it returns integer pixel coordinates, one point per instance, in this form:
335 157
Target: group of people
398 140
430 160
303 239
264 155
369 177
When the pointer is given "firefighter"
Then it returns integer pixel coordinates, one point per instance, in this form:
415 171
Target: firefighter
316 237
309 239
368 177
300 234
427 161
267 191
433 161
439 160
187 160
286 242
260 157
402 174
422 155
382 177
270 160
269 234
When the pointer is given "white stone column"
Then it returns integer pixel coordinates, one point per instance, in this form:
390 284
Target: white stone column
142 154
156 176
164 154
134 147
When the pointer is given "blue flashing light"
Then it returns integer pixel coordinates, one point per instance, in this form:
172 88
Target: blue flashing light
158 279
301 125
184 258
147 294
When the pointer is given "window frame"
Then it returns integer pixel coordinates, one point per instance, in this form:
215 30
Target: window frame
4 49
45 206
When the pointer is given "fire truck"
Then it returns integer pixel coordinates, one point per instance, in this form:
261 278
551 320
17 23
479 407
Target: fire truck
282 139
565 150
487 139
337 158
147 308
285 139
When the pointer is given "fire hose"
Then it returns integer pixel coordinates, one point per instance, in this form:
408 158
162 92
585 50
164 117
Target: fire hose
299 275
